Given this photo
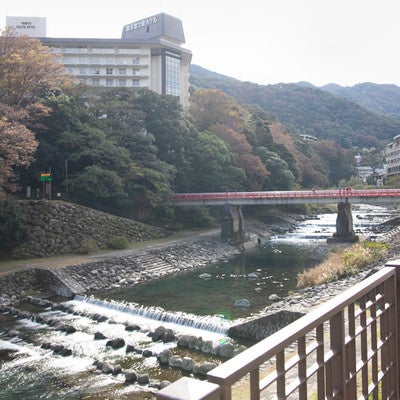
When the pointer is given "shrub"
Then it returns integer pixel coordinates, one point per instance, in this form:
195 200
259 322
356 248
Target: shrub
88 246
118 242
194 217
338 265
327 271
356 258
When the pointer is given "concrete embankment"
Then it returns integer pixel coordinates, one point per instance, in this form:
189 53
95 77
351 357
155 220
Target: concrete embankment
111 272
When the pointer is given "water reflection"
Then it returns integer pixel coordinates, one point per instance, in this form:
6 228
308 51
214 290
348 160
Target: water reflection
254 275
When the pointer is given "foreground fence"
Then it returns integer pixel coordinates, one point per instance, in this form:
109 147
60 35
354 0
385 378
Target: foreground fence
345 349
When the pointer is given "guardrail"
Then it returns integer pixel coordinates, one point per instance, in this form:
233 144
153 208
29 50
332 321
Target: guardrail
345 349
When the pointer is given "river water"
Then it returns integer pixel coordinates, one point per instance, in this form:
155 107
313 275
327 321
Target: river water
200 303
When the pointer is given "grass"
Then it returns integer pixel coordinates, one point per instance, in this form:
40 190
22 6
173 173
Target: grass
341 263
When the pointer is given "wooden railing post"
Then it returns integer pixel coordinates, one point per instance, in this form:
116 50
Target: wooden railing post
396 264
337 369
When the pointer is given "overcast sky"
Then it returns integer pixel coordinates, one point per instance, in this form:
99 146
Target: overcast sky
262 41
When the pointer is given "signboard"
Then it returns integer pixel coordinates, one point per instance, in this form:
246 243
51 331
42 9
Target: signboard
31 26
45 177
141 24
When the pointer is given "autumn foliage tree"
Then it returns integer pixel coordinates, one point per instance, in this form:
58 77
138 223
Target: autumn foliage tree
29 72
214 111
17 147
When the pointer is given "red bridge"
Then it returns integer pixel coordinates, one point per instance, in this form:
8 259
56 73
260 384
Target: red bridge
377 196
232 224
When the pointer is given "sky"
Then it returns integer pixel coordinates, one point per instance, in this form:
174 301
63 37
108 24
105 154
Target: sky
262 41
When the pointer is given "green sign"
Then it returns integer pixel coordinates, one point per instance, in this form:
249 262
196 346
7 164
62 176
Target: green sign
45 177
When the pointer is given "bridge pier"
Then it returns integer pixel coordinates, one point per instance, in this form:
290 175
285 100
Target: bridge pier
232 223
344 224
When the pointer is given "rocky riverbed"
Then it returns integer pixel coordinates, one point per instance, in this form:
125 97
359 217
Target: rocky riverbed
131 267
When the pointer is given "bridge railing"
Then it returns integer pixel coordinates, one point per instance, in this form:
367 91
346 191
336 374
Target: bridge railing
346 349
336 193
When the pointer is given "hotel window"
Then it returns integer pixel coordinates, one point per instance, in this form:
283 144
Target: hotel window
82 71
83 59
95 81
95 60
109 82
95 71
110 60
136 60
122 82
109 71
122 71
172 74
135 82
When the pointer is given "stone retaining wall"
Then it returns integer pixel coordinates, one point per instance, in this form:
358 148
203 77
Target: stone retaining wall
58 227
18 284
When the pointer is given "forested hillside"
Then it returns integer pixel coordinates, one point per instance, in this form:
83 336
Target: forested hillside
125 151
308 110
380 99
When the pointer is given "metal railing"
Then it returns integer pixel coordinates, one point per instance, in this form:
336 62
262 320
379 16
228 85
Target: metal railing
345 349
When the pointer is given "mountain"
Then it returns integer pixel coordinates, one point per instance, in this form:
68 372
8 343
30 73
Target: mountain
382 99
306 109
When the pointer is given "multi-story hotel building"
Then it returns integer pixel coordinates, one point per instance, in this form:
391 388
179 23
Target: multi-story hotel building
148 55
393 156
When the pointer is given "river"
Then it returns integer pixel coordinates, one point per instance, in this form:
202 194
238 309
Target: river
29 371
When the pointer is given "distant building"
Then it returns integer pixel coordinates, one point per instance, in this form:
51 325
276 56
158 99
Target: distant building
379 175
392 153
358 158
364 173
148 55
309 138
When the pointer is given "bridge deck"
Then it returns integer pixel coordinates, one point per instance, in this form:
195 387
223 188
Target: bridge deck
376 196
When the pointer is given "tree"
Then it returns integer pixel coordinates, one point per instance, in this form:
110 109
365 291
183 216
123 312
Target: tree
17 148
280 178
213 167
256 173
210 107
214 111
28 73
337 162
96 183
123 116
28 70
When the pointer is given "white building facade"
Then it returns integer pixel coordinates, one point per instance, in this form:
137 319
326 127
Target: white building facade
393 156
149 55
